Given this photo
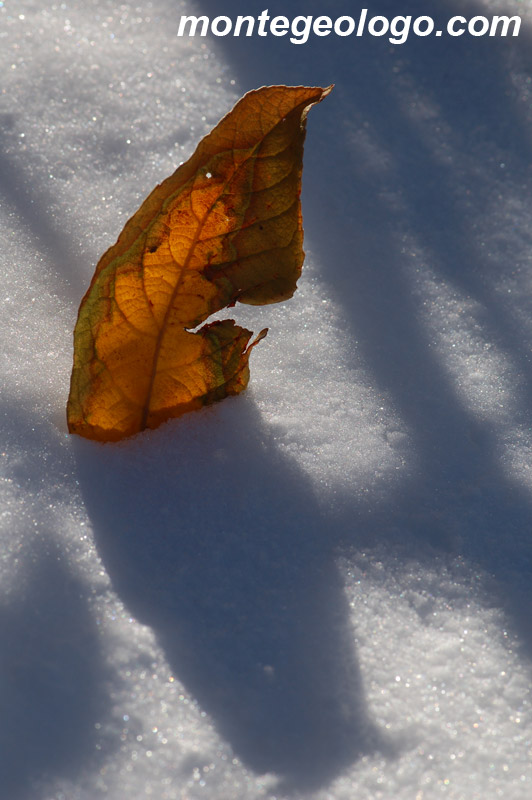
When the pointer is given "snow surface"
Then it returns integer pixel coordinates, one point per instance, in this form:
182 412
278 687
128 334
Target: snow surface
319 589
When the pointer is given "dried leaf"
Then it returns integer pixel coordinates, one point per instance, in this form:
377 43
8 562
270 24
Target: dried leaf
226 226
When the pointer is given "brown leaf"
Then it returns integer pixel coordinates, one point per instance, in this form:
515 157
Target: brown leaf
226 226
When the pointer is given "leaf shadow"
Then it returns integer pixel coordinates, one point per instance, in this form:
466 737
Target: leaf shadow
51 689
213 539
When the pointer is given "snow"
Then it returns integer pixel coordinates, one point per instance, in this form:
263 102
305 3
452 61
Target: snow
319 589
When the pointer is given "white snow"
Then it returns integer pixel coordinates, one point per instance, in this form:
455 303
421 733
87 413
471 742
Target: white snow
319 589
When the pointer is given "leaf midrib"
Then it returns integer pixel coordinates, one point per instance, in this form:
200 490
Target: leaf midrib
175 292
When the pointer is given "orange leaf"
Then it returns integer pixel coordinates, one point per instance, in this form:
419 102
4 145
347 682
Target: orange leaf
226 226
